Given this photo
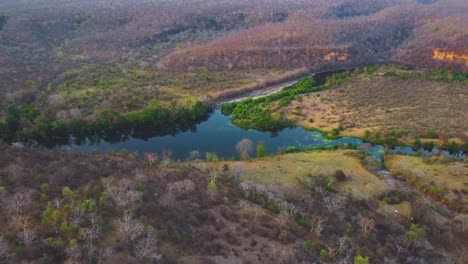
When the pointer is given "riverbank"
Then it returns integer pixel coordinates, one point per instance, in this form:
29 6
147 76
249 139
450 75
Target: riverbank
373 103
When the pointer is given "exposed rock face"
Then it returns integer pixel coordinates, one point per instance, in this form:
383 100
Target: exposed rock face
450 56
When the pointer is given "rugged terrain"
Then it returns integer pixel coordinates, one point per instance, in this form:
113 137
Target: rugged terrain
292 208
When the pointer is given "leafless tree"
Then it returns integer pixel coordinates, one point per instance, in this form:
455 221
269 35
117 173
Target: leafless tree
18 202
151 157
244 147
129 228
335 204
73 252
5 254
166 154
318 226
77 212
104 255
123 193
367 225
146 247
391 215
365 147
238 170
27 236
194 155
90 235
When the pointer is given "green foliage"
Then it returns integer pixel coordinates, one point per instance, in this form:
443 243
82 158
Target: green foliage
283 235
274 207
292 149
211 185
256 113
44 187
154 116
142 187
336 79
212 21
67 193
211 156
19 250
309 244
371 69
54 242
66 227
330 183
261 151
90 206
367 134
361 260
40 177
3 20
29 112
50 215
416 233
447 76
432 134
323 253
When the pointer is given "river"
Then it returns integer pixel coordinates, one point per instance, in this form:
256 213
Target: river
218 135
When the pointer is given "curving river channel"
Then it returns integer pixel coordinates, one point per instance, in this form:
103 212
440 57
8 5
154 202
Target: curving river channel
218 135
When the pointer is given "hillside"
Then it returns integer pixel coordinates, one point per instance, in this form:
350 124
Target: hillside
103 208
41 40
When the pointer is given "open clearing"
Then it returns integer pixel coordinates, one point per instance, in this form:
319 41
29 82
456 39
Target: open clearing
447 180
287 170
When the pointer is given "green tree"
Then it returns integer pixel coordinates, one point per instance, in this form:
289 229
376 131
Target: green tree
261 151
416 234
361 260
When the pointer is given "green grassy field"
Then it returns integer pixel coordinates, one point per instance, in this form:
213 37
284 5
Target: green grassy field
288 170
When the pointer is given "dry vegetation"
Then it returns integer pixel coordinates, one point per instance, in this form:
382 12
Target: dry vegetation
445 181
288 171
386 103
40 40
103 208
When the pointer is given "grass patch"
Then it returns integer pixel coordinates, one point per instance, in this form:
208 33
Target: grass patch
288 170
446 181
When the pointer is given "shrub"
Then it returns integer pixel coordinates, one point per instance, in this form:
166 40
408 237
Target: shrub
340 175
416 233
261 151
323 253
361 260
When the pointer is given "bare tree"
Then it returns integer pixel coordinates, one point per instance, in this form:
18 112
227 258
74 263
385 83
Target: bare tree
77 212
18 202
129 228
151 157
365 147
194 155
123 193
166 154
318 226
367 225
5 254
104 255
73 252
238 171
335 204
146 247
244 147
90 235
27 236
